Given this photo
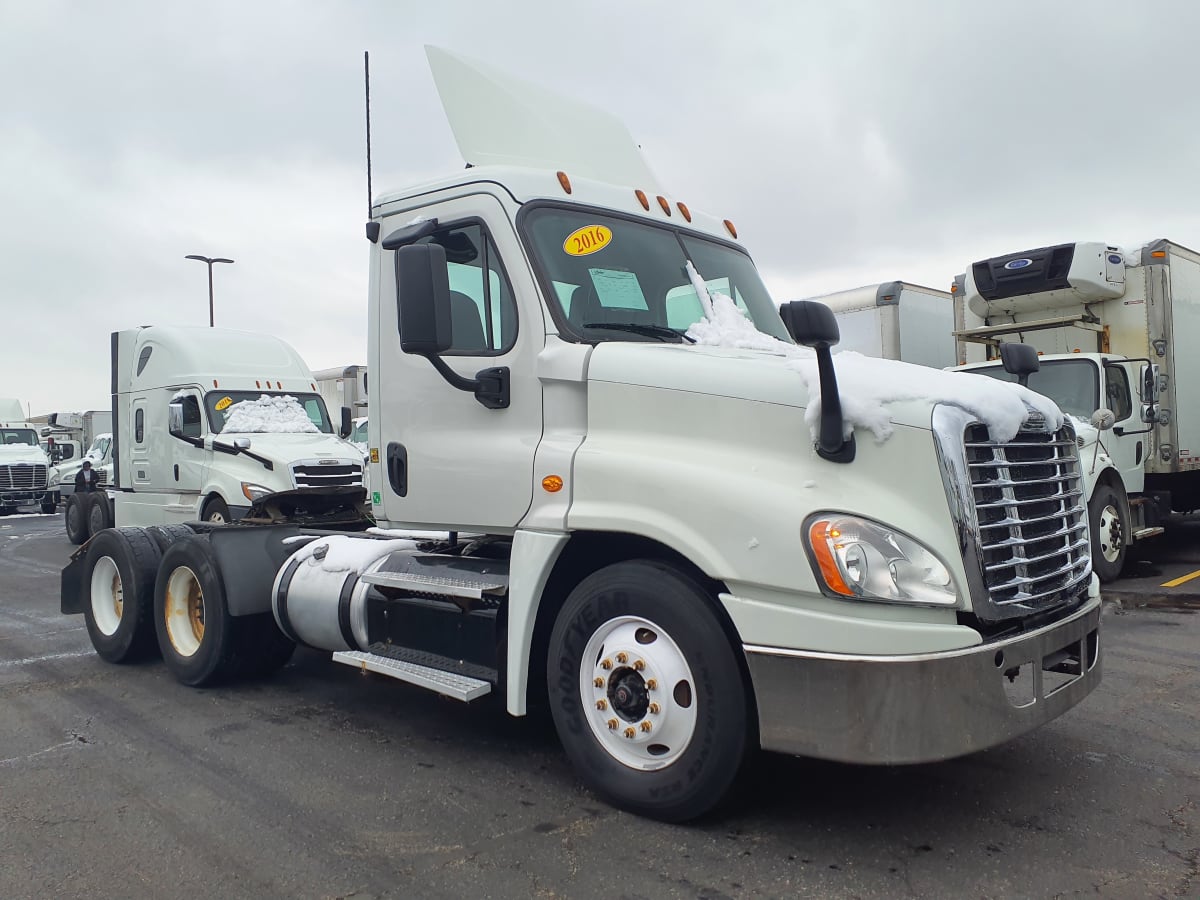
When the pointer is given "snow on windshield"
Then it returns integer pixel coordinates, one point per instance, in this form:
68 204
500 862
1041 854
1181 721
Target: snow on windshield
866 384
279 414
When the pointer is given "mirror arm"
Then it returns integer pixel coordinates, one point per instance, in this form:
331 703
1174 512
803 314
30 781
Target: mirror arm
490 386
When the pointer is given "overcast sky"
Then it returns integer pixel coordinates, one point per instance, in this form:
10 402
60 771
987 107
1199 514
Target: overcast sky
850 142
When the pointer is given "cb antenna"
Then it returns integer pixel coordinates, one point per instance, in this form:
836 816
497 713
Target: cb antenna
372 227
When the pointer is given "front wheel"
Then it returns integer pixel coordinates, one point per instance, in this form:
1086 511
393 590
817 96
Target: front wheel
1107 521
216 511
646 691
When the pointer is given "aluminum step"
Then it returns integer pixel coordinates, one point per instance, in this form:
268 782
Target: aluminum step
1142 533
451 684
472 588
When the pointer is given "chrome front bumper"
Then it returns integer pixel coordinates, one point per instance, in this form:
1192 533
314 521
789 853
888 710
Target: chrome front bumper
923 707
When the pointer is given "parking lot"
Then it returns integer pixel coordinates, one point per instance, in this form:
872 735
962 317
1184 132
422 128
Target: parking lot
320 782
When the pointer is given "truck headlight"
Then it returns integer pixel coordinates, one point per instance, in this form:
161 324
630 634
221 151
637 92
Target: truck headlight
254 492
856 558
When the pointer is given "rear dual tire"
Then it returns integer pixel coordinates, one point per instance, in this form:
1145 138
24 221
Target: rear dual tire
118 584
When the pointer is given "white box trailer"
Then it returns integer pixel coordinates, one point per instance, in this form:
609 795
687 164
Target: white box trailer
896 320
343 386
1116 330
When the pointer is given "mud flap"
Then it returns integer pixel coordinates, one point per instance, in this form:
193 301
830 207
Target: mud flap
71 586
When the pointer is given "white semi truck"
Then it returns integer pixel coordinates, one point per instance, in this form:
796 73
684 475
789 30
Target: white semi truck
583 389
1117 333
896 320
24 465
213 424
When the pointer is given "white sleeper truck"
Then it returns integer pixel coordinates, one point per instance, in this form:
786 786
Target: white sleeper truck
896 320
640 502
1117 333
213 425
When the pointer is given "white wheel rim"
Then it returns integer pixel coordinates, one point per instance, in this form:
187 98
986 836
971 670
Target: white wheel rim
108 596
215 516
183 611
638 693
1110 534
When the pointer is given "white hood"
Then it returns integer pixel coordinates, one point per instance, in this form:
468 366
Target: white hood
286 448
16 454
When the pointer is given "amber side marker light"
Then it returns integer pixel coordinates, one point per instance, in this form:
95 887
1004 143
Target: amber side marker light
666 206
564 181
643 199
819 534
687 213
729 227
1159 254
552 484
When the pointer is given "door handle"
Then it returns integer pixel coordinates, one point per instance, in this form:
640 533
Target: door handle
397 468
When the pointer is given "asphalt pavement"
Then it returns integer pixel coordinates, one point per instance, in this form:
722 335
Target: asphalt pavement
320 782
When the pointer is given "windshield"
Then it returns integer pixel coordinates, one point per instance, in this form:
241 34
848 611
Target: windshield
1071 383
359 434
10 436
99 448
616 279
267 412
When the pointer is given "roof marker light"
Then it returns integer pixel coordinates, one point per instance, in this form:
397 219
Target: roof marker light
564 181
666 207
1159 254
687 213
641 195
729 227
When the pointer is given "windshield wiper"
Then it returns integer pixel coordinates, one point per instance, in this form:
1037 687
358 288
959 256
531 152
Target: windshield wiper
662 332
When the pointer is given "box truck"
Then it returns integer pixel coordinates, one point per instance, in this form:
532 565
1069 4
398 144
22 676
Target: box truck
651 509
896 320
1117 332
343 386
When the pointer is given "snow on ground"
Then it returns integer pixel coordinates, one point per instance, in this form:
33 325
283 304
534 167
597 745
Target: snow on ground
281 414
866 385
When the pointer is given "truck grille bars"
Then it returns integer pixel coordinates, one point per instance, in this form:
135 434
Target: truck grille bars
22 477
316 473
1021 514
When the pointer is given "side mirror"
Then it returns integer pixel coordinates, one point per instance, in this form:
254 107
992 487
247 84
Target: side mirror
175 419
1020 360
423 299
1148 384
814 325
1103 419
346 425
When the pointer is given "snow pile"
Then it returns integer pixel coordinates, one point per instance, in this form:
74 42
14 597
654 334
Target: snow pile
347 554
866 385
282 414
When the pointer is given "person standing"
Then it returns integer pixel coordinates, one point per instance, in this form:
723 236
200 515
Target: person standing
86 480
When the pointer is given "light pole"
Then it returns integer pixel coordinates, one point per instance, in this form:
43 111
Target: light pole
210 260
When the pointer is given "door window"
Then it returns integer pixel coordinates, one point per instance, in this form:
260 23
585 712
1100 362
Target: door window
1118 396
483 314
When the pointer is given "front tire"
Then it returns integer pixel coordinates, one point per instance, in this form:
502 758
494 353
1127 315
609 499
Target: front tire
118 581
646 691
1106 518
216 511
196 634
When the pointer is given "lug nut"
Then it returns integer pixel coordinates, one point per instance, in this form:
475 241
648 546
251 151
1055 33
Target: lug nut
612 724
598 682
622 657
654 708
638 665
630 732
601 704
651 684
606 663
646 726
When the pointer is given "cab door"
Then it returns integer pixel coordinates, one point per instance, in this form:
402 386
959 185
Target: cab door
1129 440
445 460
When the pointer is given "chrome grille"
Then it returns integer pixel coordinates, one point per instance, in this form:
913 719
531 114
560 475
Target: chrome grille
1031 518
315 473
22 477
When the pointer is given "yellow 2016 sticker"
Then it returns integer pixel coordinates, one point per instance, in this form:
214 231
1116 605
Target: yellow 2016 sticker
224 403
587 239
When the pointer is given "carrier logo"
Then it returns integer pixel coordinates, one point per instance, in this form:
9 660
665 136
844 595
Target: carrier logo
1114 259
1018 263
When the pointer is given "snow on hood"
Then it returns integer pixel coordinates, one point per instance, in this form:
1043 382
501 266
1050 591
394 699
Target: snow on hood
22 453
280 414
866 386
